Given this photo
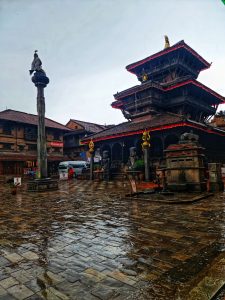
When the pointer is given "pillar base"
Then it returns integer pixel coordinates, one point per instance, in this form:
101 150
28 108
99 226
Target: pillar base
42 185
188 186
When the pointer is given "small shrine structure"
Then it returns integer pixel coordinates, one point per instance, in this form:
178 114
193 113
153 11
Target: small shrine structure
186 165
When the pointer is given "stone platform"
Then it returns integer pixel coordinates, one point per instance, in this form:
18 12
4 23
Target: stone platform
42 185
84 241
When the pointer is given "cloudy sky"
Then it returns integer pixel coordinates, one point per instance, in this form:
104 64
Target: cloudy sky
85 45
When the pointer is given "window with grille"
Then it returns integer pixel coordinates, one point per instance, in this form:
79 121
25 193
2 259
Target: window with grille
32 147
56 136
6 146
30 133
7 129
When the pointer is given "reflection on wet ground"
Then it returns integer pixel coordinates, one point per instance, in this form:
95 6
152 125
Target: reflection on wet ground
87 242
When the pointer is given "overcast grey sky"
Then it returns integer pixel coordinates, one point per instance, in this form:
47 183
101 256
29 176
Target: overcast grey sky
85 45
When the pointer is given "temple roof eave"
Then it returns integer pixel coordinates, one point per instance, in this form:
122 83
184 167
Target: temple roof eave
138 88
176 46
182 123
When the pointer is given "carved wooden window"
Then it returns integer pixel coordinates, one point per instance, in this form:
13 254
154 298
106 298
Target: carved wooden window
56 149
6 146
56 136
30 133
7 129
21 147
32 147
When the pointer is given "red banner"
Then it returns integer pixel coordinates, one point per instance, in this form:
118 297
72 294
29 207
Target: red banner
56 144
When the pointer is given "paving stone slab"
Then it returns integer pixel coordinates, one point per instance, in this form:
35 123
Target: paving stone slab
104 292
8 282
14 257
30 255
20 292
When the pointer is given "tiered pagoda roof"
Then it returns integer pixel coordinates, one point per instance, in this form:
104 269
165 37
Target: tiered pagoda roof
215 97
169 94
178 49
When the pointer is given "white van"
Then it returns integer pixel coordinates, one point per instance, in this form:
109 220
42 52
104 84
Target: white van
78 166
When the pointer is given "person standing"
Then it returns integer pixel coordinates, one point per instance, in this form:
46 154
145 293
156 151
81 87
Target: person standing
70 173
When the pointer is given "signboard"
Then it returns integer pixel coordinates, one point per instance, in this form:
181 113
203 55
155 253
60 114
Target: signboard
63 176
56 144
17 181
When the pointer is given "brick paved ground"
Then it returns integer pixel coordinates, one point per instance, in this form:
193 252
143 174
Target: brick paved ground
87 242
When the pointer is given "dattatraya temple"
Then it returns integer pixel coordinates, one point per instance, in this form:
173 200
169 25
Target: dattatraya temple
168 102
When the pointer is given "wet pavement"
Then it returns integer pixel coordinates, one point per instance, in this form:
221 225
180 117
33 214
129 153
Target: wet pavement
86 241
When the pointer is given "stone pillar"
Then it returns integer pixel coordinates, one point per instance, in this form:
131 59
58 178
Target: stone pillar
41 80
91 151
164 183
41 140
145 147
147 163
42 183
92 167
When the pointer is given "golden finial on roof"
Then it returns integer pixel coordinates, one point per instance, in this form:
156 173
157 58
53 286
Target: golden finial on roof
167 42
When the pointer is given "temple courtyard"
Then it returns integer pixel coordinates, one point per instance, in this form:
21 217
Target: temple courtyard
87 241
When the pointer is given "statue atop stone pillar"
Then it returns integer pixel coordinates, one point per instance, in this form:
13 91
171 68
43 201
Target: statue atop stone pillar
132 157
106 165
36 65
40 80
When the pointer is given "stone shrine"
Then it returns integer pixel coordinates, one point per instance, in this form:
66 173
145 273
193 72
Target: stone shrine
185 165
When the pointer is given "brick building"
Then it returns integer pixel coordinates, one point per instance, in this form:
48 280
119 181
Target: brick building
73 149
18 142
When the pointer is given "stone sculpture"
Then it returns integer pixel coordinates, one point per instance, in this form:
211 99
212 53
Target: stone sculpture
36 65
105 164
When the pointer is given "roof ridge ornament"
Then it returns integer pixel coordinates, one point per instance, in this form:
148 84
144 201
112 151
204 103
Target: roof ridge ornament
167 42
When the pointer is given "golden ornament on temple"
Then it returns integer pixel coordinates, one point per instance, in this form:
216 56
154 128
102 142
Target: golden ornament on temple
144 77
167 42
146 139
91 146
